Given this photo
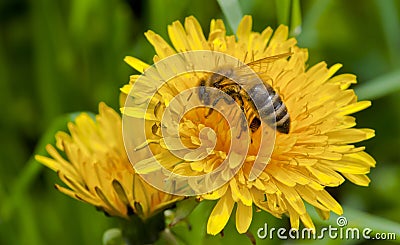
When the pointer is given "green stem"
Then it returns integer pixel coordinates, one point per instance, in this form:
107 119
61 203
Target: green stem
138 232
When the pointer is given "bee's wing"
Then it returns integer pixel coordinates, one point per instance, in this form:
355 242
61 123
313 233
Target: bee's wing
259 67
269 59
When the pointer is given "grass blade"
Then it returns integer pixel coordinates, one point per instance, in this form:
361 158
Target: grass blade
232 11
283 11
390 23
379 87
295 19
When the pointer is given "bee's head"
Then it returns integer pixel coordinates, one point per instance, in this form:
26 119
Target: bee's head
218 77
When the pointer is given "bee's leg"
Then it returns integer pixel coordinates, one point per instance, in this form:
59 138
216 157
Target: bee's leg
227 101
210 110
243 123
243 127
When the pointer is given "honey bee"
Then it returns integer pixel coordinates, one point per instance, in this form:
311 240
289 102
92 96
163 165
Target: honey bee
268 100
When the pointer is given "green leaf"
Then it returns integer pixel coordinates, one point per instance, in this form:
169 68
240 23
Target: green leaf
379 87
232 11
183 209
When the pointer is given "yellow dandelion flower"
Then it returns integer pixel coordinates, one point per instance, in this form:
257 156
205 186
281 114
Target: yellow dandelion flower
94 165
318 150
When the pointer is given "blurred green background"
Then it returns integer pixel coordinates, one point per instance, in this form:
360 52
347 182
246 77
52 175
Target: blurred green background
65 56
